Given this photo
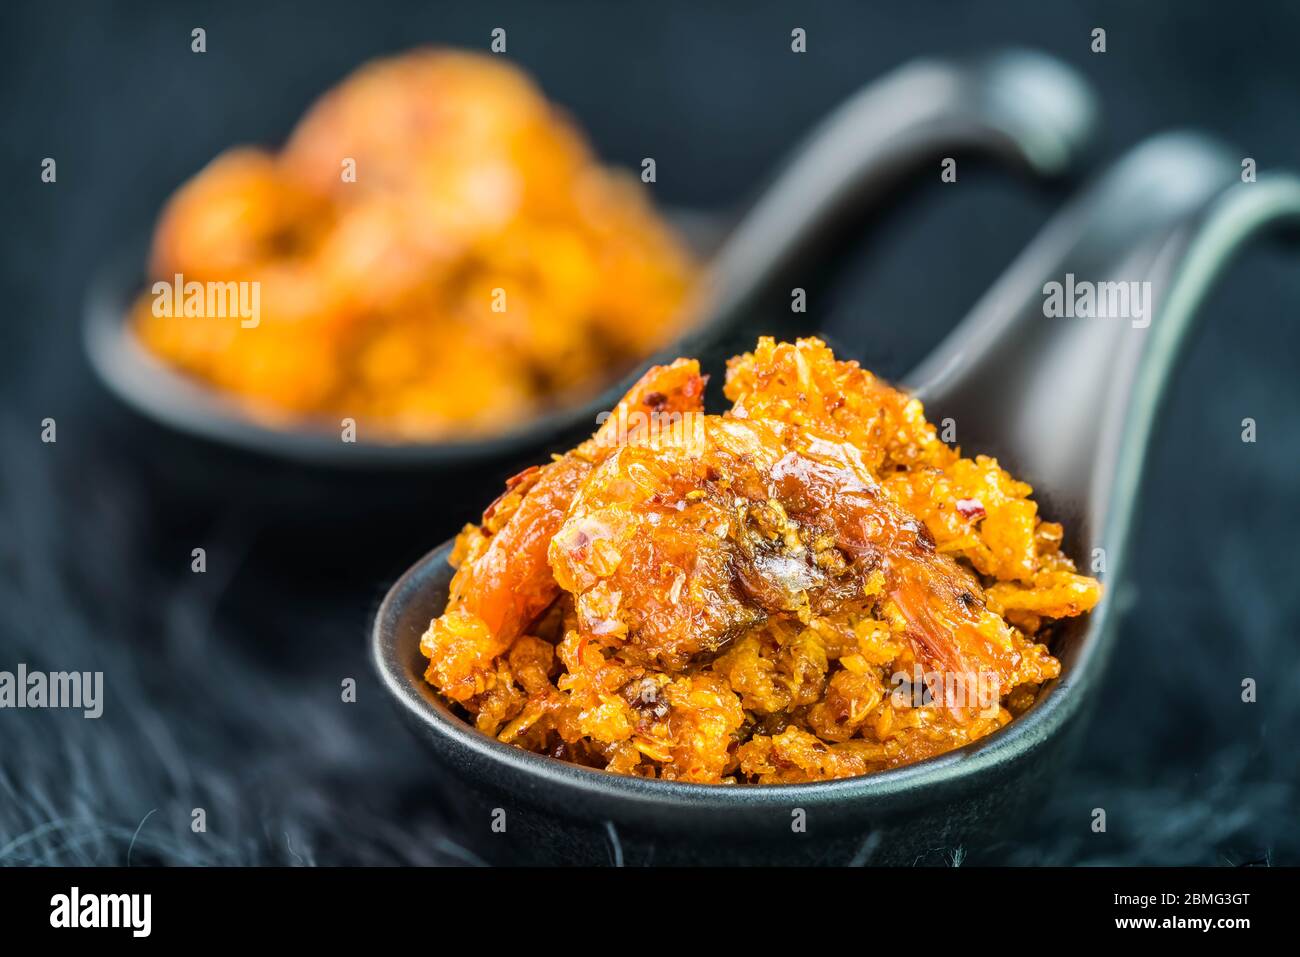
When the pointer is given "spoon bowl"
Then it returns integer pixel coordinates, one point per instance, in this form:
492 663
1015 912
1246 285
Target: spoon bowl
557 812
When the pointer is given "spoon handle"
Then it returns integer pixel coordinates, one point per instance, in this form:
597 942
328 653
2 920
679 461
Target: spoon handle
1060 368
1020 107
1190 265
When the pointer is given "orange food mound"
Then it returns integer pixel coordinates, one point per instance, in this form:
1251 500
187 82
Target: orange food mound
438 254
810 586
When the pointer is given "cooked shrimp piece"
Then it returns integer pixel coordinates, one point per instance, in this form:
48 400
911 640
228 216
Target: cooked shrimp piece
239 212
503 579
468 138
676 549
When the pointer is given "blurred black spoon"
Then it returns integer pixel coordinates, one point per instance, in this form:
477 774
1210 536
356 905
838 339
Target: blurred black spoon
1068 403
1017 107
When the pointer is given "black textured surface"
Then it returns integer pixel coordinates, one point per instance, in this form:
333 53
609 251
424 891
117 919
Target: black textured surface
222 690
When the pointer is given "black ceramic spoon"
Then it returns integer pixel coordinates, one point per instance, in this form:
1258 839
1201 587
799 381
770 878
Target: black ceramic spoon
1017 107
1065 402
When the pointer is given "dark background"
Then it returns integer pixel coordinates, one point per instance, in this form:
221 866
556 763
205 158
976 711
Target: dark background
223 689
